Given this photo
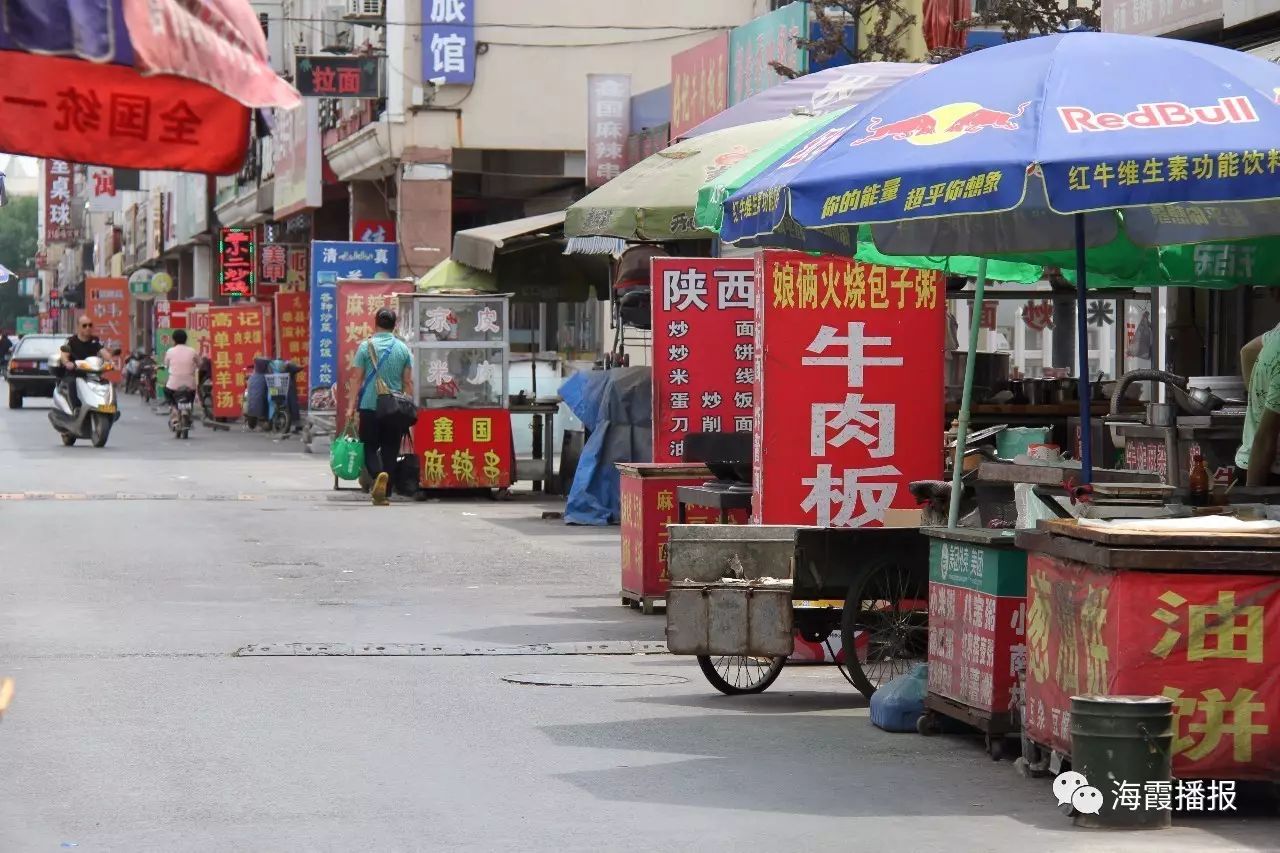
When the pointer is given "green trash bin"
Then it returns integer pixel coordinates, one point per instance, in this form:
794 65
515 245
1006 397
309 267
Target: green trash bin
1124 741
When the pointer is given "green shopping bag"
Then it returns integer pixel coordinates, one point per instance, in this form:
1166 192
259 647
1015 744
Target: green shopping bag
346 455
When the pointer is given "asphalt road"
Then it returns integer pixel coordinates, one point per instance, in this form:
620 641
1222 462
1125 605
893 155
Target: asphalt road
132 575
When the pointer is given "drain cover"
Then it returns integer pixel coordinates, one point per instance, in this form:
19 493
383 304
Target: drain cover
594 679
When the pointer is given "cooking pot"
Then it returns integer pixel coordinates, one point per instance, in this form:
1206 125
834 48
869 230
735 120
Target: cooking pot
1062 391
1034 391
1194 401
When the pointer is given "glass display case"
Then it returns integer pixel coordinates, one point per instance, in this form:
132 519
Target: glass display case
461 349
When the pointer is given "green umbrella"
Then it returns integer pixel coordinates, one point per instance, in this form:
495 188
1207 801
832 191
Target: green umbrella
451 275
654 199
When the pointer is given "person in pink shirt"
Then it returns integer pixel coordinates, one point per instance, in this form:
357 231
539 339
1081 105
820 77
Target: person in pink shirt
183 364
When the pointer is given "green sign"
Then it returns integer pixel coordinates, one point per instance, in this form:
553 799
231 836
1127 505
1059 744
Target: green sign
993 570
769 38
28 325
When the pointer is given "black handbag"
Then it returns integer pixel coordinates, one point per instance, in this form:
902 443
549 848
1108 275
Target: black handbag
393 407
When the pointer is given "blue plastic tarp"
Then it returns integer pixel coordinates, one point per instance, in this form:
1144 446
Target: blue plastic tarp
617 407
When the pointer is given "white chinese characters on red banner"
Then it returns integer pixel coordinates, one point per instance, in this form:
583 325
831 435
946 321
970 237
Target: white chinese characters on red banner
703 349
849 398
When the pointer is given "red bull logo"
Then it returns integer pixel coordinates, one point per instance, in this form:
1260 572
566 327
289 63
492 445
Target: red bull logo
1237 109
943 124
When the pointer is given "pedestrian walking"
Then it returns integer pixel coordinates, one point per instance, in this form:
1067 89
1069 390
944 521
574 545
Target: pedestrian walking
382 360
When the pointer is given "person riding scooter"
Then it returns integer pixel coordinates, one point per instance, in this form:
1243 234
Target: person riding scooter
83 344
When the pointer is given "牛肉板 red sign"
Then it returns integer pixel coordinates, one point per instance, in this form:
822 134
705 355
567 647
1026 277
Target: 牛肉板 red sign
237 334
699 83
357 303
703 349
1205 640
848 396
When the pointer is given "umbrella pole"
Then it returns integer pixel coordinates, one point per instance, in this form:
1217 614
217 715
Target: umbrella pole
1082 344
966 398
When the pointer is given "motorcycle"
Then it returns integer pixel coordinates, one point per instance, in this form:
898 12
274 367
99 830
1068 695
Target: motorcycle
97 411
147 377
181 403
132 366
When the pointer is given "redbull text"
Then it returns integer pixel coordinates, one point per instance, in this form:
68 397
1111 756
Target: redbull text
1234 110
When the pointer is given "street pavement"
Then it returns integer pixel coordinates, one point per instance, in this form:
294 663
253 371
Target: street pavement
133 574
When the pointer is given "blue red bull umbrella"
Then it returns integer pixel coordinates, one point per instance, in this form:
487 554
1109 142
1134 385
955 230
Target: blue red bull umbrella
984 154
153 84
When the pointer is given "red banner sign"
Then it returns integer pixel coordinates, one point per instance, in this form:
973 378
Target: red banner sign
237 262
464 448
699 83
238 335
299 268
374 231
293 331
59 187
172 313
1207 641
106 301
358 302
848 395
113 115
703 349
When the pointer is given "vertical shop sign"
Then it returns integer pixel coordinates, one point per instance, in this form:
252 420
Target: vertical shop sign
331 261
699 83
237 261
770 38
358 302
59 187
237 335
608 125
292 332
449 41
274 258
703 349
106 301
296 278
374 231
848 395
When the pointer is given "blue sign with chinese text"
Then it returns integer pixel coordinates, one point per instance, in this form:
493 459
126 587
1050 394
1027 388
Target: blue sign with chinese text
331 261
449 41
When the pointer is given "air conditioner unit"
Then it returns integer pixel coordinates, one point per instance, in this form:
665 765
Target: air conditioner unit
365 10
335 33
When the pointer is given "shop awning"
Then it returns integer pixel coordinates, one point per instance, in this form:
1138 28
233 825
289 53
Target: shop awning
614 246
477 247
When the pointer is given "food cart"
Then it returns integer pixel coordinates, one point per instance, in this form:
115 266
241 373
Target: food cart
1190 616
460 346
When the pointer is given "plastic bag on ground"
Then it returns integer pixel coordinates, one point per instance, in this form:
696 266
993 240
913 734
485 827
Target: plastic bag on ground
896 706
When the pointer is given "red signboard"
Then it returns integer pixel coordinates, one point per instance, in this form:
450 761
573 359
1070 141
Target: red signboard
699 84
1208 641
374 231
976 646
648 505
703 349
358 302
293 331
464 448
273 261
237 262
172 313
106 301
848 393
113 115
238 335
59 187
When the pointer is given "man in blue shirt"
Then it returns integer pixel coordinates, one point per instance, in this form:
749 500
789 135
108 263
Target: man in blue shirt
387 358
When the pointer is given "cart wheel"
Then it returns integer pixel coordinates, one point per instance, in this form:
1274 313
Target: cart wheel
927 725
889 606
733 675
995 747
626 602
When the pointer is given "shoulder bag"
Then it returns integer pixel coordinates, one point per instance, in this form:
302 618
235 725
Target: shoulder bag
394 407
